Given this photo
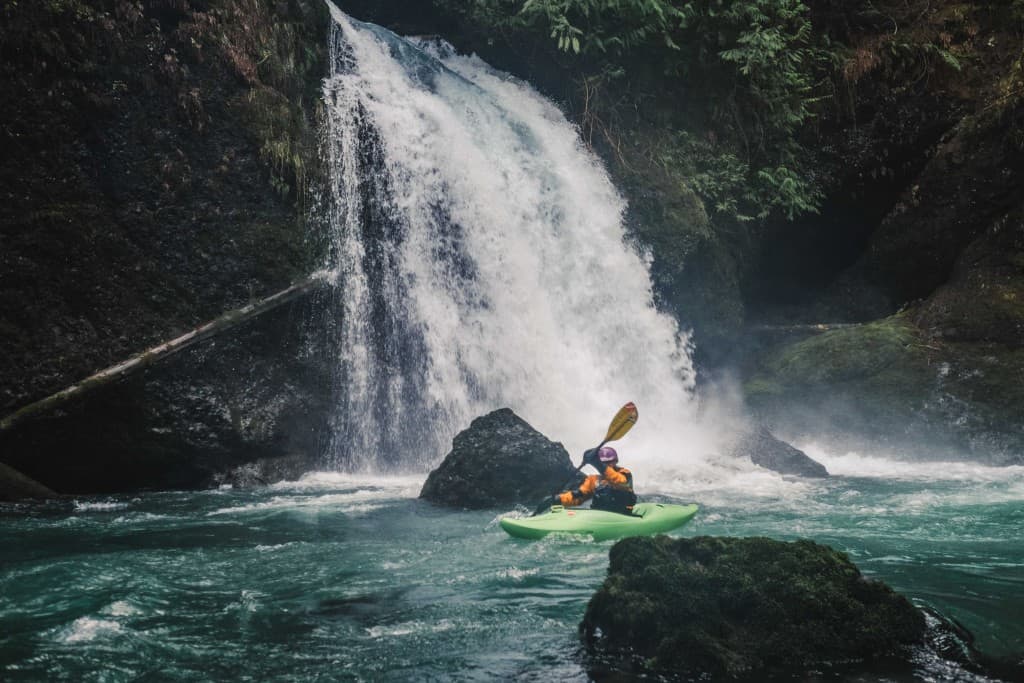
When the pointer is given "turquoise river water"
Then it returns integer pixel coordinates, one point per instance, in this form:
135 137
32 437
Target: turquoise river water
342 577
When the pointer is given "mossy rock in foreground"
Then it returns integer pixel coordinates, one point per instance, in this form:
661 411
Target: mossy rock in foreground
729 607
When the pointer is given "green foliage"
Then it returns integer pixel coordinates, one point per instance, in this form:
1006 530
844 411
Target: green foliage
743 71
731 188
605 26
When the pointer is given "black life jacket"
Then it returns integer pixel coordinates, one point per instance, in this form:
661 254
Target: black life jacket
612 499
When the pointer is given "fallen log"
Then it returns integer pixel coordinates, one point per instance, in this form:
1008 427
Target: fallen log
162 351
809 327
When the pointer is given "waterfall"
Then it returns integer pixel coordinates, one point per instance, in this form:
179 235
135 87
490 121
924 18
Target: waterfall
482 261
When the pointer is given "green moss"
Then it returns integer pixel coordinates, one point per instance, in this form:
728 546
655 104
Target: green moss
885 380
892 345
283 135
730 606
872 378
278 51
761 388
695 267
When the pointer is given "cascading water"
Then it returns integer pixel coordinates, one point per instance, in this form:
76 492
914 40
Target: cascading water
483 262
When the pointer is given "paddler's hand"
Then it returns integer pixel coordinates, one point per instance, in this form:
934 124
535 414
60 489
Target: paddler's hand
547 504
590 458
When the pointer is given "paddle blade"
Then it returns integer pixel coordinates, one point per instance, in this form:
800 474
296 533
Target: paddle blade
622 422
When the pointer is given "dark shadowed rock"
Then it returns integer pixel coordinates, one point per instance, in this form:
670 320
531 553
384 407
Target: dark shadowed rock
15 486
727 607
144 198
499 460
249 406
765 450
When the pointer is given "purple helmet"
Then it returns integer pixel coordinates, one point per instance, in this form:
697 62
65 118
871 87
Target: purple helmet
607 455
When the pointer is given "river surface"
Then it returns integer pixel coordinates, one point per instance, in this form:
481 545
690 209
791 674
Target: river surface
343 577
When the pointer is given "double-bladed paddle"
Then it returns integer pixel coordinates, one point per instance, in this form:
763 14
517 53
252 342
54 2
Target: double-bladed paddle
621 423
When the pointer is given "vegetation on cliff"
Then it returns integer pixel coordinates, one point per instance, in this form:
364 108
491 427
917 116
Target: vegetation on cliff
732 83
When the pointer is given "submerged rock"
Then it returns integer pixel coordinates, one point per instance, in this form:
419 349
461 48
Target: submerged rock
499 460
765 450
725 607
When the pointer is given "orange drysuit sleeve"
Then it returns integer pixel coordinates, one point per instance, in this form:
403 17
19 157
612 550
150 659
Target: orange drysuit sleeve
583 493
618 478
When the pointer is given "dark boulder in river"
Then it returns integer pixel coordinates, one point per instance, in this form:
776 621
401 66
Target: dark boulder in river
765 450
499 460
752 607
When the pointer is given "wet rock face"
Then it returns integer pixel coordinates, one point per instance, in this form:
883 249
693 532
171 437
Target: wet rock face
752 607
983 301
935 381
765 450
157 153
499 460
249 407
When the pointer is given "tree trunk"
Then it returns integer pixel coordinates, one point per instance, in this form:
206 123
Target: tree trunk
161 351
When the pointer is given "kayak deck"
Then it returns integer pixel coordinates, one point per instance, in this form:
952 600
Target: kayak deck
647 519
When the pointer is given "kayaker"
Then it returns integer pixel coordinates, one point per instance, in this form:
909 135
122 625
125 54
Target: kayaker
611 488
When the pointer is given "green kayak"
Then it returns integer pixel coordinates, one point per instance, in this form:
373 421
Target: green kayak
647 519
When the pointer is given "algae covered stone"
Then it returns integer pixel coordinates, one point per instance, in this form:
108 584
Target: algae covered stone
739 606
940 379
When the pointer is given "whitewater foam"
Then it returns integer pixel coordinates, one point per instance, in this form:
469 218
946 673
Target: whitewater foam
357 502
409 628
890 466
399 486
121 608
99 506
86 629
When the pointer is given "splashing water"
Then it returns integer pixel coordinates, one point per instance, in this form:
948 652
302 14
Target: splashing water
351 577
482 262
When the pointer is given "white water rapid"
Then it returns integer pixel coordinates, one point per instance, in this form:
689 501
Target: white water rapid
483 262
